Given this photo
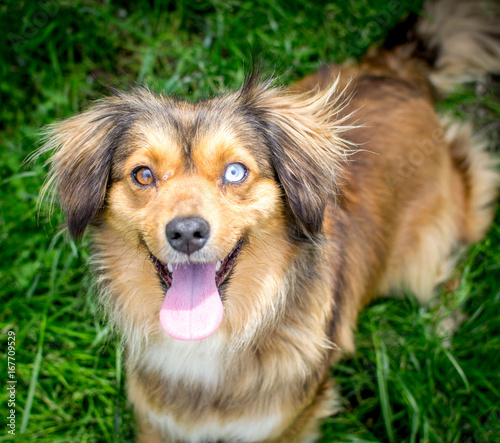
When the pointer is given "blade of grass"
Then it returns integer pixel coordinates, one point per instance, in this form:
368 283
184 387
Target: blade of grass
118 379
458 369
34 377
382 377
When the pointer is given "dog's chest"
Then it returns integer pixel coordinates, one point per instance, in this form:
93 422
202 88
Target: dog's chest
191 379
198 363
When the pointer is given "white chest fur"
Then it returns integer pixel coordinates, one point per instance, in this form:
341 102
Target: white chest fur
249 429
202 363
193 362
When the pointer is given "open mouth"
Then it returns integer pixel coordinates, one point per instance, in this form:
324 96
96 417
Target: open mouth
222 267
192 308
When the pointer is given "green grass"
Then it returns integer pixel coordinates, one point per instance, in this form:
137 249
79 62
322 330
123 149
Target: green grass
407 382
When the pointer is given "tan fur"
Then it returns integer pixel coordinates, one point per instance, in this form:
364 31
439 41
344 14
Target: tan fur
355 188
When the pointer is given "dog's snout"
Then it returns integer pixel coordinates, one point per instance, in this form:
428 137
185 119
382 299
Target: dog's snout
187 235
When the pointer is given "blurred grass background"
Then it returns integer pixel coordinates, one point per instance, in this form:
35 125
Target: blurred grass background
411 379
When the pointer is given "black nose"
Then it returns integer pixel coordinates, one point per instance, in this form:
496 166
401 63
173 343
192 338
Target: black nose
187 235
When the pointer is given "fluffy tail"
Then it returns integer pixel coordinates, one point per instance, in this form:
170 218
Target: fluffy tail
450 42
465 35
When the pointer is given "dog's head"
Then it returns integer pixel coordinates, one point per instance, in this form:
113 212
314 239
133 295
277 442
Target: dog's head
193 184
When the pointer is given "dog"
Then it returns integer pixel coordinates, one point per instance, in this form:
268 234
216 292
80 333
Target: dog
236 239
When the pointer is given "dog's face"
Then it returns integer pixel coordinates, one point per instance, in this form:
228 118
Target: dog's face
196 185
194 189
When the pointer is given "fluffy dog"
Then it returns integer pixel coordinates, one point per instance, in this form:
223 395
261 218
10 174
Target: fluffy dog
237 239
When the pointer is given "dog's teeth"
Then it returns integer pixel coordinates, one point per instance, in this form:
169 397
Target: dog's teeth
170 267
218 265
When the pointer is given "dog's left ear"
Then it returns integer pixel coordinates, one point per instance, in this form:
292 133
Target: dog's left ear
82 149
303 134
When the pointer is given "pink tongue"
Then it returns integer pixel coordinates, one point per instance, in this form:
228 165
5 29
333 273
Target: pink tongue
192 308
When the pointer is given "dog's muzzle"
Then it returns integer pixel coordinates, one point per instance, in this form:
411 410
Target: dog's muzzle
192 308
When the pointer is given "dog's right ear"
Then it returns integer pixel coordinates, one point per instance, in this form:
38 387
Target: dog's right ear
82 149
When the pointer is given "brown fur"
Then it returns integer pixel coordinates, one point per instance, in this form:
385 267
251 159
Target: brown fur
355 188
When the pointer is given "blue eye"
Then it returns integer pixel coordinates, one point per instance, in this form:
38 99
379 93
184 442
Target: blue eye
235 173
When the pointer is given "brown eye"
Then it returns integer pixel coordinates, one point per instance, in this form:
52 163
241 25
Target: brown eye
143 176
